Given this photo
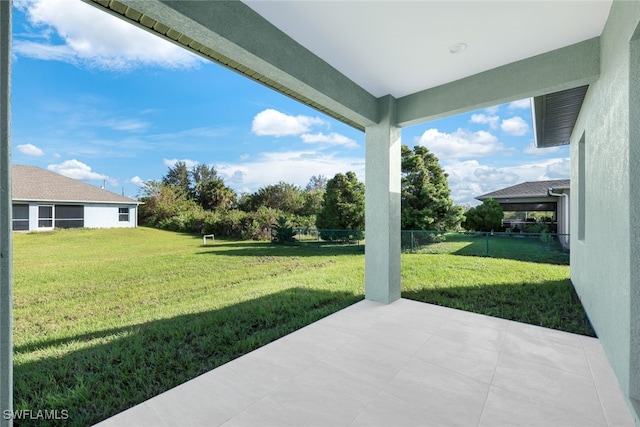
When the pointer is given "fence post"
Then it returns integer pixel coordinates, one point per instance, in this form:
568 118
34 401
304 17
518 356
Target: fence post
411 241
486 236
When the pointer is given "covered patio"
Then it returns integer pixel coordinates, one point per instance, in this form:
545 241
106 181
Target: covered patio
401 364
379 67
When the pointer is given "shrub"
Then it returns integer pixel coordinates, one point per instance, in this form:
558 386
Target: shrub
537 227
437 237
282 232
486 217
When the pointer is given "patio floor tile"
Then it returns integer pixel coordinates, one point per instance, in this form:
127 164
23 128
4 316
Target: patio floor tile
401 364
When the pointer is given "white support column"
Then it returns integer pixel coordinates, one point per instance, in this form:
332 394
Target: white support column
6 321
382 206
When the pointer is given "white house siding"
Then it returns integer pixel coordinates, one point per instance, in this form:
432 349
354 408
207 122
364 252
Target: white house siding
107 216
95 215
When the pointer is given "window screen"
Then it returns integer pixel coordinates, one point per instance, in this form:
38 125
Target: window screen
45 216
20 217
69 216
123 214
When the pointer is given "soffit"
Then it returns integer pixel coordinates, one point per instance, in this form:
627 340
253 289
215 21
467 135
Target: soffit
555 115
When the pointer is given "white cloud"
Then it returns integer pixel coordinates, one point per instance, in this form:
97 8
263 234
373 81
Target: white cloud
492 121
520 105
245 156
128 125
77 170
515 126
469 179
332 138
460 144
172 162
295 167
492 110
137 181
560 169
30 150
535 151
95 39
274 123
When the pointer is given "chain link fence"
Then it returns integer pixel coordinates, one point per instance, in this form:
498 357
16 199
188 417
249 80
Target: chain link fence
310 235
536 247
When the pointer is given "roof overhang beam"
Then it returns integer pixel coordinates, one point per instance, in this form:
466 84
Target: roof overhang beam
554 71
232 34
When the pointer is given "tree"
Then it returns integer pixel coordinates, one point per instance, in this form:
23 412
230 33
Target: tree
162 201
179 177
317 183
486 217
313 195
214 194
209 190
425 200
343 204
282 196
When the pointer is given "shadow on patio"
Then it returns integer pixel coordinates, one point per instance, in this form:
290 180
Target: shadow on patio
98 374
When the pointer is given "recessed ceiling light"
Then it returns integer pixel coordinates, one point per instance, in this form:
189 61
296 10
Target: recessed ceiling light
457 48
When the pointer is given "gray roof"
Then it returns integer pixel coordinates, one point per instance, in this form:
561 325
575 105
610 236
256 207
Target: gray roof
31 183
527 189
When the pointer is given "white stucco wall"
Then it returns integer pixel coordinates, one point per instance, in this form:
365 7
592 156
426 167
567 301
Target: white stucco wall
603 259
106 216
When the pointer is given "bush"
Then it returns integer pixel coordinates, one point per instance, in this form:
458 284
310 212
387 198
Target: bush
341 236
486 217
537 227
282 232
436 238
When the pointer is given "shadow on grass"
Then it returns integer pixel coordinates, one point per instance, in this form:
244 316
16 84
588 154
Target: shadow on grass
261 249
552 304
129 365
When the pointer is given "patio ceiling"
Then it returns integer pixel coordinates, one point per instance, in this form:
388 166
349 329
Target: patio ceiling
403 47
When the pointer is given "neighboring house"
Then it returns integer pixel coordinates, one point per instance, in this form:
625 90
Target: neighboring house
540 196
383 66
44 200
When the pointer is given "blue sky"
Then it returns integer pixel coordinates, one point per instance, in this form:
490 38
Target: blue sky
97 99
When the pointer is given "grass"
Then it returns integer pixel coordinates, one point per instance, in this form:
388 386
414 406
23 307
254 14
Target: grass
523 247
105 319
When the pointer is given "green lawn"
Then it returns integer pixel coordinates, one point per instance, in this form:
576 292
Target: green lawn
105 319
523 247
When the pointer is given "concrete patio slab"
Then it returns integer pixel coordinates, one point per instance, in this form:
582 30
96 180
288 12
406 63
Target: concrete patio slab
402 364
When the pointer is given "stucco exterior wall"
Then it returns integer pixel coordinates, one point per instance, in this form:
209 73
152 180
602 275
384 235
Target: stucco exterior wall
602 259
106 216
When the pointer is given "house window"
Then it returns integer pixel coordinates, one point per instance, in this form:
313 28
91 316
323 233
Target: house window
20 217
123 214
69 216
581 190
45 216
